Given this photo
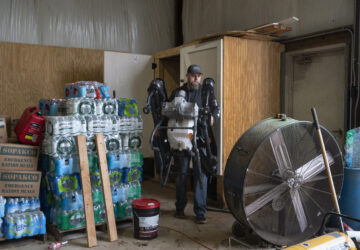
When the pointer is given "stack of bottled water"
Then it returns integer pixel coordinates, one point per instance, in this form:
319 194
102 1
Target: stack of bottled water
2 214
23 218
52 106
61 193
91 89
352 148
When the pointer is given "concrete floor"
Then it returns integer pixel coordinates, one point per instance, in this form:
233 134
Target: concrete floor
214 234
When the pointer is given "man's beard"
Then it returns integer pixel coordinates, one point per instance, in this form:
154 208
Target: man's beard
194 86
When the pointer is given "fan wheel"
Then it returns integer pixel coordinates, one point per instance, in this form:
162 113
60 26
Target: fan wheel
275 179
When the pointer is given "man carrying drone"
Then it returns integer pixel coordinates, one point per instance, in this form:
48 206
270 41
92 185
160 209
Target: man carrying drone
182 130
196 93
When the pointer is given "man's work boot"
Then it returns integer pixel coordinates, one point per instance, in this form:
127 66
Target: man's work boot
179 215
200 220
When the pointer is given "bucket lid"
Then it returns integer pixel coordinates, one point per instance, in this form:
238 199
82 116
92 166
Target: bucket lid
145 203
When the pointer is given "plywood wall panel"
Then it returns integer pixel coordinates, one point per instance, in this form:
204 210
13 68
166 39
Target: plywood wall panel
251 89
30 72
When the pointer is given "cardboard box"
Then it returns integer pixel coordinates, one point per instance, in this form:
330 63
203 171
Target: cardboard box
3 131
20 183
8 124
18 157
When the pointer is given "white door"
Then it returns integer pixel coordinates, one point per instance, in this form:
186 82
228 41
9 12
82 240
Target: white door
129 75
209 56
318 79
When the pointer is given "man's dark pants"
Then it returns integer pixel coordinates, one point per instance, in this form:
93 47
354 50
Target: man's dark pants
182 162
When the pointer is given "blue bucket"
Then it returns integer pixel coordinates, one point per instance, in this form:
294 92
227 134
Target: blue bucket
350 196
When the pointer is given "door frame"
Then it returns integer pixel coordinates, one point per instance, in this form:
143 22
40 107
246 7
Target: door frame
288 82
184 60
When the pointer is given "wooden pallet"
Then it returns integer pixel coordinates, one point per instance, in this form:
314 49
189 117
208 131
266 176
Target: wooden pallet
76 233
40 237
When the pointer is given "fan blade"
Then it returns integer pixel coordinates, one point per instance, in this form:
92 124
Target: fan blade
258 188
280 152
265 199
313 167
299 209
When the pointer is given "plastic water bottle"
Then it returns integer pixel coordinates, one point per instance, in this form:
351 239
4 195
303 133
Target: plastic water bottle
140 124
95 179
64 165
131 192
72 219
1 228
72 200
97 195
27 206
42 223
134 140
80 106
35 204
99 106
90 143
123 188
128 209
62 146
22 227
57 245
115 210
91 91
12 206
114 160
356 150
125 141
115 191
115 177
121 210
137 187
68 184
32 223
99 213
20 206
9 224
110 106
64 183
93 162
112 142
107 122
2 207
115 123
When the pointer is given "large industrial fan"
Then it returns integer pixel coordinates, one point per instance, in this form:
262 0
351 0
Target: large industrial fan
275 180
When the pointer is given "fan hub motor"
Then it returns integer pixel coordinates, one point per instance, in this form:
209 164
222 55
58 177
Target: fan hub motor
294 182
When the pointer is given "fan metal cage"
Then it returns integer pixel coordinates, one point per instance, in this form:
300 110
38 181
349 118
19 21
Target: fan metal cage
275 179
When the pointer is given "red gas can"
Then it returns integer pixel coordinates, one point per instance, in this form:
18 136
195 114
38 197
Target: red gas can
30 126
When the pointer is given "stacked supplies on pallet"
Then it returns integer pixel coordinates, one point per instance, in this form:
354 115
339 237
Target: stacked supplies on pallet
62 198
352 149
2 214
22 217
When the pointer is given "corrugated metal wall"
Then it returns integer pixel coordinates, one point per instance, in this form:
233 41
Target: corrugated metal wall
124 25
201 17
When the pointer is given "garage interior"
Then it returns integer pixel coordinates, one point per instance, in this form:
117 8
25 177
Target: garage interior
98 123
